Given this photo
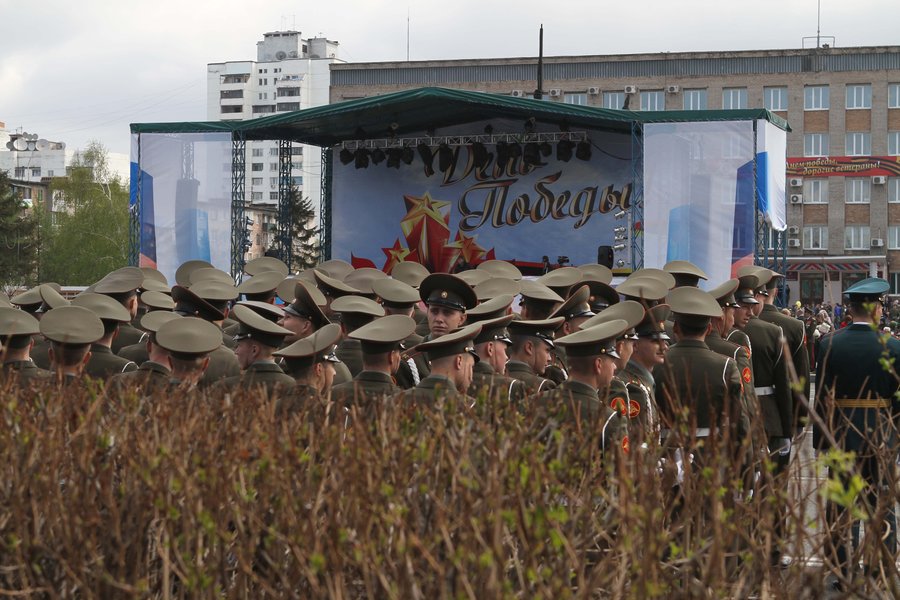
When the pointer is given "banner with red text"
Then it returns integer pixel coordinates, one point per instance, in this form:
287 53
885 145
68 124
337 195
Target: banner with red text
849 166
463 215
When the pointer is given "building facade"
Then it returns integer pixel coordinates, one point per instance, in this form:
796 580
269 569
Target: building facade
290 73
843 106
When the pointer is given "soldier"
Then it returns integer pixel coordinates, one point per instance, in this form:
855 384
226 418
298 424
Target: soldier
152 302
30 300
303 316
695 378
647 291
616 394
380 343
595 272
538 301
489 372
363 279
412 274
332 289
222 361
258 288
575 310
17 329
561 280
452 357
576 401
649 353
500 268
219 293
857 391
103 363
497 286
50 299
154 373
190 343
71 330
686 273
794 333
529 353
122 285
310 361
264 264
257 340
602 295
354 311
398 298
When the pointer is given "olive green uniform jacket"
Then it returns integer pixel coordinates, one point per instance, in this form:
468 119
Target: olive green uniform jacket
493 385
262 374
640 385
770 378
149 378
795 334
128 335
574 402
534 383
103 364
367 387
431 389
350 353
222 363
24 371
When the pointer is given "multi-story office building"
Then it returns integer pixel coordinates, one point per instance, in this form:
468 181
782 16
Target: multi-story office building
843 106
290 73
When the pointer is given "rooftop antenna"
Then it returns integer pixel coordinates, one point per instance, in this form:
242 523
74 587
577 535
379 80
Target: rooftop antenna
539 92
819 37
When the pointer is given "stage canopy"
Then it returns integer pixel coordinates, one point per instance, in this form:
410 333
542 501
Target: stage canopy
457 115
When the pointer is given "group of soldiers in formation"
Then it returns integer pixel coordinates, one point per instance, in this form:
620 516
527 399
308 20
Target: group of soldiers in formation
632 358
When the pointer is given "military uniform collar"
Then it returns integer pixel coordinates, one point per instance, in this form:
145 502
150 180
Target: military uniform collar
640 370
579 387
375 376
518 365
483 367
770 308
434 380
100 349
264 366
20 365
692 344
149 365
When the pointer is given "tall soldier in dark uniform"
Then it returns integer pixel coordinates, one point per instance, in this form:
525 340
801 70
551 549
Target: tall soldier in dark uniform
310 361
794 333
592 355
857 387
380 344
529 354
17 329
71 330
354 311
257 340
575 310
412 274
122 286
649 353
50 299
189 341
103 363
452 357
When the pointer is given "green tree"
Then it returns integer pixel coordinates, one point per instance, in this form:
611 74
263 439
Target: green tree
89 237
304 234
18 237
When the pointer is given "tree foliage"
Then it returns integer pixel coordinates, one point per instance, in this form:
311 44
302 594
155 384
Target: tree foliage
88 238
304 234
18 237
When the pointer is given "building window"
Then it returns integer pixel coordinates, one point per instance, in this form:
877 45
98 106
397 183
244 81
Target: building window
20 173
35 171
273 151
576 99
858 190
653 100
253 167
232 109
894 279
231 94
815 97
775 98
858 144
893 189
257 152
297 180
614 100
297 150
695 99
264 95
815 237
273 166
273 181
287 106
273 195
859 96
296 166
815 191
256 181
49 172
815 144
893 240
856 237
734 98
894 143
256 195
774 237
894 95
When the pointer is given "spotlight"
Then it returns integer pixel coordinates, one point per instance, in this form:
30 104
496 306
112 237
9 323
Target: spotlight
377 156
346 156
427 158
393 158
480 156
564 150
362 159
618 247
620 215
407 155
445 157
583 150
619 230
532 154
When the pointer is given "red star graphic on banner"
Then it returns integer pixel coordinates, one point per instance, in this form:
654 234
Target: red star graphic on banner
397 254
463 247
426 228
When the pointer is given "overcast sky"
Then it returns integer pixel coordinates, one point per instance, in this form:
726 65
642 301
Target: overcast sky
79 71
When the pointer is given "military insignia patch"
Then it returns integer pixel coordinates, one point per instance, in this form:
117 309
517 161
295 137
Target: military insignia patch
634 409
745 375
444 295
625 444
618 405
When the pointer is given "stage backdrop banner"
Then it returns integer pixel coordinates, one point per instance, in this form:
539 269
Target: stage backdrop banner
462 215
771 145
185 194
698 195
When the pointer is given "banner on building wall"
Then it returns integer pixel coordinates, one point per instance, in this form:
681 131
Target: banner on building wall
848 166
462 215
183 184
771 153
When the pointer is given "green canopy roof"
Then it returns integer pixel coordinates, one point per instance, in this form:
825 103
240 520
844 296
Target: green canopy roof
420 109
